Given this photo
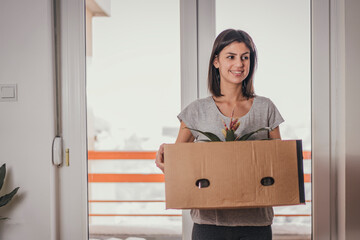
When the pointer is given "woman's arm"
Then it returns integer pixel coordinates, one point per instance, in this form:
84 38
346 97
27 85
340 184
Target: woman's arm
184 135
275 133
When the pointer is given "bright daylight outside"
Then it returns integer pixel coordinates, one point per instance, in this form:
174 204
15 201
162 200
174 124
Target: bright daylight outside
133 98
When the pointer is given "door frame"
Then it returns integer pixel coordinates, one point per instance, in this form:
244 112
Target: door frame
72 178
322 213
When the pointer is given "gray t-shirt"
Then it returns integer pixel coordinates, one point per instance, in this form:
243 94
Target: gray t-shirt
204 115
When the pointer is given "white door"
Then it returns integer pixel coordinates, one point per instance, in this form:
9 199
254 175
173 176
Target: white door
73 178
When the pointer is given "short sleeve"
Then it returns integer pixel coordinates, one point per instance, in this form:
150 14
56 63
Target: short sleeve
190 116
274 117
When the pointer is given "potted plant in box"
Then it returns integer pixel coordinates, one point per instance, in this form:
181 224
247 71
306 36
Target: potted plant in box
229 132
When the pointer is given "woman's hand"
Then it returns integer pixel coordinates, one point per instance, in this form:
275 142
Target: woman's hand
184 136
160 158
275 133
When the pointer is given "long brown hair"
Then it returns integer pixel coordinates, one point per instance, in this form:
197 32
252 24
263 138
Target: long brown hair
225 38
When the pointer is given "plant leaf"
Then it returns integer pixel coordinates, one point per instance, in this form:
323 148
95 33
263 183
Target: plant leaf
2 174
230 136
6 198
248 135
3 218
211 136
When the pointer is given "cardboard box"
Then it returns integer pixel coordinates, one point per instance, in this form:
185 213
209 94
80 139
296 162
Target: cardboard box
241 174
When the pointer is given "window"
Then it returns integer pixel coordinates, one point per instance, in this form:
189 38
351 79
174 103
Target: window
281 32
133 96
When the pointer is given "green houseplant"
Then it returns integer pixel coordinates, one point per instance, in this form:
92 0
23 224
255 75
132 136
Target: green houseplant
5 199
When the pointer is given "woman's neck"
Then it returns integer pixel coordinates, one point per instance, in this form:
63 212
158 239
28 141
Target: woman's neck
231 94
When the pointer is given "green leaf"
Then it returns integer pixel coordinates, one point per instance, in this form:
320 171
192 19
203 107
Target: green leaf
211 136
2 174
230 136
6 198
248 135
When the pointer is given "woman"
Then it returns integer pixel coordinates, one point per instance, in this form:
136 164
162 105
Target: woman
230 79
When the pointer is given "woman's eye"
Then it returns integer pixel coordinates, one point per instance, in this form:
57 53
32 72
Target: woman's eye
230 57
245 58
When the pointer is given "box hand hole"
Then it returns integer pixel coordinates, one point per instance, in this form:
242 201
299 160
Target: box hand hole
267 181
202 183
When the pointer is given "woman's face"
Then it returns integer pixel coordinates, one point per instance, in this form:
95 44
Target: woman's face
233 63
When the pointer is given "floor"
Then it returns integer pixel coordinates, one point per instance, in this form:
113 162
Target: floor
275 237
157 232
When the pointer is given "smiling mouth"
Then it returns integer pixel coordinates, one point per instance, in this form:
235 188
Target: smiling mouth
237 72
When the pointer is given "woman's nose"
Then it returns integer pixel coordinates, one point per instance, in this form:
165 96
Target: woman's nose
240 62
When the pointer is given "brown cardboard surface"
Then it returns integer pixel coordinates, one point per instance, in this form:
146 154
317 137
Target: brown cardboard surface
234 170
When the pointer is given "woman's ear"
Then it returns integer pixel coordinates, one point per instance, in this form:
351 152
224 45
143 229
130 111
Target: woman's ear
216 62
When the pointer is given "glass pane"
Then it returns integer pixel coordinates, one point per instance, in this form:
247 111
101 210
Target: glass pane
281 32
133 97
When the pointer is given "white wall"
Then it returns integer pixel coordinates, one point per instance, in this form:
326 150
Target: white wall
352 116
27 126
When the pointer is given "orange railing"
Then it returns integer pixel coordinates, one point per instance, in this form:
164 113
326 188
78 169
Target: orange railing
146 178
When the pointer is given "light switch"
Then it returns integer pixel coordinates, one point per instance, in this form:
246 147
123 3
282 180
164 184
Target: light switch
8 92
